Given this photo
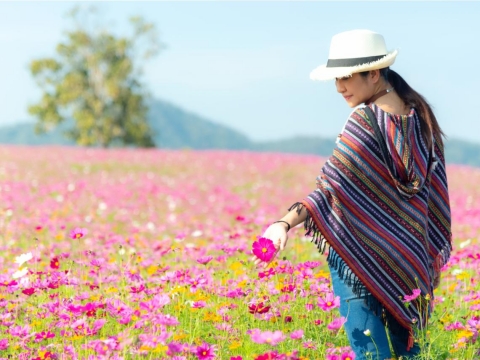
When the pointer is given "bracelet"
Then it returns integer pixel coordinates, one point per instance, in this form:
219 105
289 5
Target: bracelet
279 221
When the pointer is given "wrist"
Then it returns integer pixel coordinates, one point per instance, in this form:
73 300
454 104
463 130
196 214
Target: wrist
284 223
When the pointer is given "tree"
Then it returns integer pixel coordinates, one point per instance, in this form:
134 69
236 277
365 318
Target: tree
95 80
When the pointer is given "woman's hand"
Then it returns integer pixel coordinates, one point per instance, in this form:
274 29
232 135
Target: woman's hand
276 232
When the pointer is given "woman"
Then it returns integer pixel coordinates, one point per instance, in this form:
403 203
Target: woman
381 206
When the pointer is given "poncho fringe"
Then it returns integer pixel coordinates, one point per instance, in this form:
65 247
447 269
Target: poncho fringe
346 274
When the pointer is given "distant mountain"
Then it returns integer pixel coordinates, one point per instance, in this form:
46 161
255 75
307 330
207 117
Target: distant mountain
175 128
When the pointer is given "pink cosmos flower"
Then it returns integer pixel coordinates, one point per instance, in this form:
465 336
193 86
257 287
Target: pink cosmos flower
4 344
454 326
268 337
416 293
205 352
79 326
20 331
264 249
336 324
288 288
78 233
297 334
103 347
236 358
204 260
199 304
151 340
309 345
272 355
265 274
223 326
197 283
330 302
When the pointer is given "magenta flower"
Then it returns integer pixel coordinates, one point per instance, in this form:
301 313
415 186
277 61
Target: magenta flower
272 355
29 291
350 355
259 308
236 358
337 323
332 357
3 344
205 352
264 249
330 302
415 294
43 336
78 233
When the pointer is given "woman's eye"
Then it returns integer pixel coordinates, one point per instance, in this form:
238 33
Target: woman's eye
344 78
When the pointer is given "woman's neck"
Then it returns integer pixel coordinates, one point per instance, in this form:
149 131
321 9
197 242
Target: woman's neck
390 102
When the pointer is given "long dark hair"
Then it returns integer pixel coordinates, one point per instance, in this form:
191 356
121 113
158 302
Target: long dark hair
410 97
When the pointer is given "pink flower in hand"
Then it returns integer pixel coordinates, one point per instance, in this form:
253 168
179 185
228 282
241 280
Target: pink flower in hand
264 249
416 293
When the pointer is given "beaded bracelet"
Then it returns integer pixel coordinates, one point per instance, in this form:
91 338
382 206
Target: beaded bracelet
279 221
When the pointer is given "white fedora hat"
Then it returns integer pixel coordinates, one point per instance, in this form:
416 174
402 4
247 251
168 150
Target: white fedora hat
354 51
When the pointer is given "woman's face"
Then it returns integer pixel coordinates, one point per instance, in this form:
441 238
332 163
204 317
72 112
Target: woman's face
355 89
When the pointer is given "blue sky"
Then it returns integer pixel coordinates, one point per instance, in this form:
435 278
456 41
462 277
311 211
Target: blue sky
247 64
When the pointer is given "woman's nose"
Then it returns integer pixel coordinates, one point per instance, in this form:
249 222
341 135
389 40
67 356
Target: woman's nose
340 86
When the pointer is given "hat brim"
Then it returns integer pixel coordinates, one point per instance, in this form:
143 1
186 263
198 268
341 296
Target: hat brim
324 73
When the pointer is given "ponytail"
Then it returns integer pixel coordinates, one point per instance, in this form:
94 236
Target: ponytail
428 121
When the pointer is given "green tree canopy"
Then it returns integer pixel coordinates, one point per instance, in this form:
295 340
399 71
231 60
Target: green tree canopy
95 79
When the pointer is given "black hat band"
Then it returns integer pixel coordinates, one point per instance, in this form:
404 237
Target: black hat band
353 61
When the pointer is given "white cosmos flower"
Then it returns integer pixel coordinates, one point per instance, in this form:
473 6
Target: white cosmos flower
23 258
20 273
465 243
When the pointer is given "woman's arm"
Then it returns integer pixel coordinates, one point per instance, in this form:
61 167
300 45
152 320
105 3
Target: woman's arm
277 232
295 216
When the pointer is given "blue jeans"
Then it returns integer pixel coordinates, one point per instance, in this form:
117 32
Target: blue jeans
360 318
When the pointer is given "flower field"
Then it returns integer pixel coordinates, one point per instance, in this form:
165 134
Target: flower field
145 254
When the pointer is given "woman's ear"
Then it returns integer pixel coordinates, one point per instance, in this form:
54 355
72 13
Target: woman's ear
374 76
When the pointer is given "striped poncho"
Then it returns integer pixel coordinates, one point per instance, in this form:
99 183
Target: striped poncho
389 224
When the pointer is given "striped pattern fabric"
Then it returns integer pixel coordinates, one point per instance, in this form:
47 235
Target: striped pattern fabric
390 225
